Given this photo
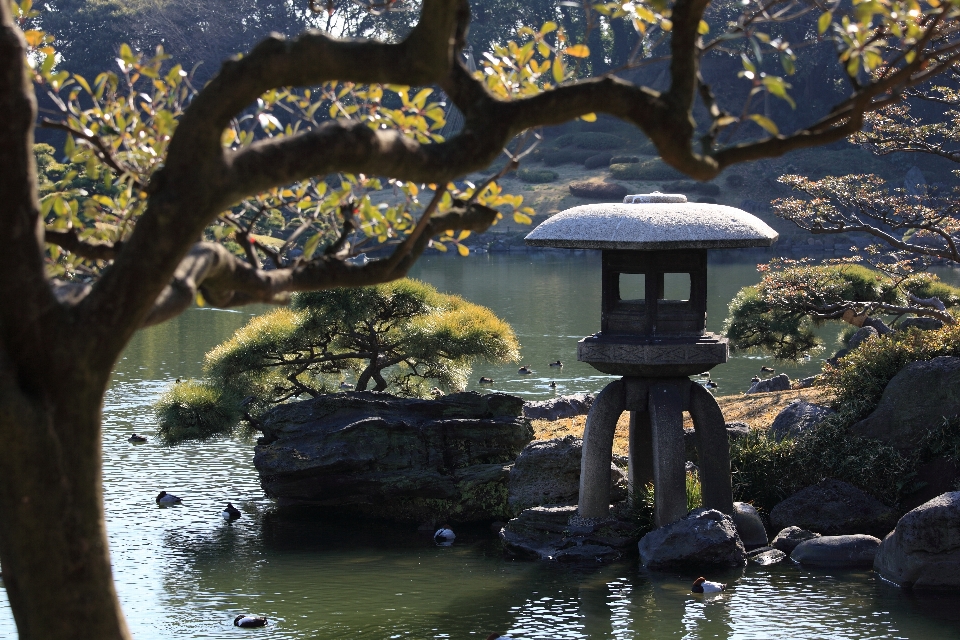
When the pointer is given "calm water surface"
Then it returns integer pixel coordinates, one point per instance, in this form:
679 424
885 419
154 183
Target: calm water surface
183 572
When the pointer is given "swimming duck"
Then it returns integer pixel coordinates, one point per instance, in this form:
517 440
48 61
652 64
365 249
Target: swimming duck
524 371
557 364
702 585
767 370
553 384
705 375
168 498
710 384
486 380
755 379
444 536
436 392
136 438
249 621
231 512
346 386
807 357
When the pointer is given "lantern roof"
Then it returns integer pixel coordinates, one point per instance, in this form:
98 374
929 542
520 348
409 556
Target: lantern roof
653 222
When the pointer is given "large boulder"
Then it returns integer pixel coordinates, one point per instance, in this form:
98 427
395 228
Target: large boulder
776 383
862 335
749 525
548 472
790 538
558 533
703 537
837 551
556 408
918 398
403 459
834 508
798 417
923 552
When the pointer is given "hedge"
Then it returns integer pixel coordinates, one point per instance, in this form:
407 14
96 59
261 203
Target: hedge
537 176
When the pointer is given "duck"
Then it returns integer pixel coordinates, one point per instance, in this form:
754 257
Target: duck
136 438
767 370
168 498
807 357
346 386
702 585
486 380
231 512
557 364
177 381
444 536
525 370
704 376
249 622
553 384
755 379
710 384
437 392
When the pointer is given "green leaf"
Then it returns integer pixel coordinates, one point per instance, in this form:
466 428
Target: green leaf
311 246
824 22
765 122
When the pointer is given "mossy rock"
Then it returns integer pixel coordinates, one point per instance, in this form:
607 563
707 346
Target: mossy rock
599 190
602 159
537 176
624 159
653 169
569 155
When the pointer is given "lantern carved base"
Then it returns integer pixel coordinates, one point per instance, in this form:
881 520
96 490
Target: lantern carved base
657 453
679 356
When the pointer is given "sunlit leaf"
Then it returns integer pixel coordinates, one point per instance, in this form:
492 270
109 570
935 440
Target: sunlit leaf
578 51
765 122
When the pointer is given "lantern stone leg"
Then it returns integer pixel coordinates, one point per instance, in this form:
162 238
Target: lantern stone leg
597 454
713 450
669 459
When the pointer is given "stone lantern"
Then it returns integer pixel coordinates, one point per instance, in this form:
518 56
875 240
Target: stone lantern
653 334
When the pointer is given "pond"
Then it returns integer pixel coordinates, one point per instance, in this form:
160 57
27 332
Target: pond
184 572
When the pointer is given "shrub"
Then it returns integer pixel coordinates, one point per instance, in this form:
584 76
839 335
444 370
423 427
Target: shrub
599 160
537 176
567 155
624 160
195 410
653 169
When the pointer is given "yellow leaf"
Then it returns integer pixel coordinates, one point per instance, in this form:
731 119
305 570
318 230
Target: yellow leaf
33 37
521 218
439 246
547 28
558 71
543 49
200 301
462 250
578 51
463 235
666 24
703 28
765 122
824 22
589 117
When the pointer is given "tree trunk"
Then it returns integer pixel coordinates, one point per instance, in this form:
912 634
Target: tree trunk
53 542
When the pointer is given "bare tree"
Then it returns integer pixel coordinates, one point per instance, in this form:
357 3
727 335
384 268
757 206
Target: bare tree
59 341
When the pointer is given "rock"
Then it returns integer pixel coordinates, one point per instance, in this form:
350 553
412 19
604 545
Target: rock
547 472
599 190
602 159
924 324
806 383
776 383
557 408
737 430
914 182
403 459
837 551
919 397
798 417
766 556
788 539
877 324
749 525
833 508
557 533
860 336
923 551
703 537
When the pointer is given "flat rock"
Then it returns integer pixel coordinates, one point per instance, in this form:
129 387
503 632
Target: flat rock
923 551
798 417
403 459
547 472
703 537
599 190
766 556
776 383
920 396
837 551
557 533
749 525
557 408
788 539
833 508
